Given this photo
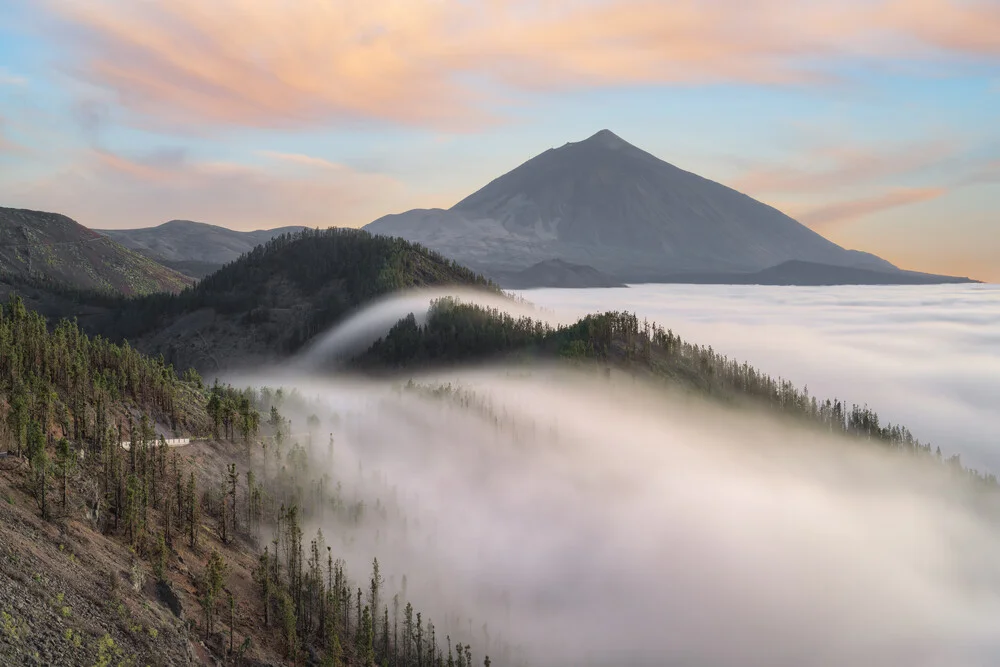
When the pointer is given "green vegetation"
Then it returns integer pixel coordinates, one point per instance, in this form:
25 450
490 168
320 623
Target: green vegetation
13 629
296 285
63 394
458 332
67 401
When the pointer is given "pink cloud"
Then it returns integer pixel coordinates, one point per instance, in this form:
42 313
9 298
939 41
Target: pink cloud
272 63
854 209
106 190
8 145
833 167
303 160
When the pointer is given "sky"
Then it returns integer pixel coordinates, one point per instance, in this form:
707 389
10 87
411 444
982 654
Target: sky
875 122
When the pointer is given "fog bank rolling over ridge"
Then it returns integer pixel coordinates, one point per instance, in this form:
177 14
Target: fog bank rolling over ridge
596 523
927 357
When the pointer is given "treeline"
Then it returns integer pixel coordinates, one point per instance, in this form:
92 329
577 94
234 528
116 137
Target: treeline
459 332
63 378
62 391
83 413
334 270
305 593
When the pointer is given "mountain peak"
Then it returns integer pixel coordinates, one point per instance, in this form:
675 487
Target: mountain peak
607 139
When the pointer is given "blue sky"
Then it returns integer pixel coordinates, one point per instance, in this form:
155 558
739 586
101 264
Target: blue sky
874 122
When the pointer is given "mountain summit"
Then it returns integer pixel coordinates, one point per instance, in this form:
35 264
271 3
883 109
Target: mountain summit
605 203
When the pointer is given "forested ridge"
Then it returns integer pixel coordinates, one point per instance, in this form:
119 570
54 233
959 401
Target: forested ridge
264 305
457 332
329 272
213 528
201 551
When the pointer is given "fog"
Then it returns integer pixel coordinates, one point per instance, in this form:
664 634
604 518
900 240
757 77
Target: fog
357 332
599 521
924 356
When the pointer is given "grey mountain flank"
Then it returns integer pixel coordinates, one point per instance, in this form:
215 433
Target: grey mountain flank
193 248
611 206
556 273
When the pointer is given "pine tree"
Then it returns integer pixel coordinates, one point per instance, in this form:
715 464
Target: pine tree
288 624
420 640
234 480
331 657
40 467
264 578
210 585
385 635
407 633
193 516
375 587
365 637
232 621
65 459
160 564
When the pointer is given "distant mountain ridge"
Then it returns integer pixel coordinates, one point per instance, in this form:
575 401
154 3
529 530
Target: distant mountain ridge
194 248
555 273
604 203
38 246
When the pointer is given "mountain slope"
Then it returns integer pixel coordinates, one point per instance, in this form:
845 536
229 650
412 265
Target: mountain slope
51 247
277 297
193 246
605 203
811 273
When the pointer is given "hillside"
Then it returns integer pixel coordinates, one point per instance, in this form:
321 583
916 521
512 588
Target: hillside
604 203
157 554
193 248
51 247
209 552
273 299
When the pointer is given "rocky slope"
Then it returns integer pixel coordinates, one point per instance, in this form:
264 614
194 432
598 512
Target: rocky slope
51 247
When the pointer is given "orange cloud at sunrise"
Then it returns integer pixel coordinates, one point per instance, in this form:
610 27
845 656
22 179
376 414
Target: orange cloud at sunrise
272 63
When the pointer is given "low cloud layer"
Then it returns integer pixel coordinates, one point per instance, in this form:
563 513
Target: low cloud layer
596 522
926 357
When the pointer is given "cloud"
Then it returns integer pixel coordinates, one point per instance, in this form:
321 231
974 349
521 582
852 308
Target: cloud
853 209
833 167
300 159
455 64
925 357
559 509
987 173
9 79
7 145
106 189
970 27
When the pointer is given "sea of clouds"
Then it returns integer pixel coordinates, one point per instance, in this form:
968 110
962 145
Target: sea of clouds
595 522
924 356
